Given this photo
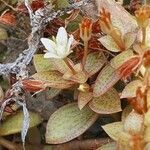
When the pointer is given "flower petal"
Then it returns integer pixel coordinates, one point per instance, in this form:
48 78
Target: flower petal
61 51
70 41
51 55
61 37
49 44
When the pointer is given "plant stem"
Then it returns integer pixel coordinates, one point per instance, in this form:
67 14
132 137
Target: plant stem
118 40
144 35
85 53
69 66
7 144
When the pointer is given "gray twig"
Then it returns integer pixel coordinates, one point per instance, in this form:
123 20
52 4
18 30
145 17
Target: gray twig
38 21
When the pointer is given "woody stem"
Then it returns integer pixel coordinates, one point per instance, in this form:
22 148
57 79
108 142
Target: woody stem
85 52
69 66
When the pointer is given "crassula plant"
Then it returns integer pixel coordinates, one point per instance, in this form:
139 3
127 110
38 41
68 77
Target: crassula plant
103 63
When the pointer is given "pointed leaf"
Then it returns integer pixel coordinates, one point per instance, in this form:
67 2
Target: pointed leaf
84 98
68 122
94 63
130 90
13 124
42 64
113 129
107 103
109 43
134 123
108 146
53 79
105 80
121 58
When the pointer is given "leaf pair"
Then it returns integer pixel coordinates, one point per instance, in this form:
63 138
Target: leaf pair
110 75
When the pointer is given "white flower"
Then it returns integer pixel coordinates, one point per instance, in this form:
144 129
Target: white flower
60 47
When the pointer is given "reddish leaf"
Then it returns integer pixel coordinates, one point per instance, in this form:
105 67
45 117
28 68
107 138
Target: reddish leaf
53 79
84 98
35 5
109 76
129 66
121 58
8 18
33 85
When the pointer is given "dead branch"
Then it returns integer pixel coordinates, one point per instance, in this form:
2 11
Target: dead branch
90 144
38 21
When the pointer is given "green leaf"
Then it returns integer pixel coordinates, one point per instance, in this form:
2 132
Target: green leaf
108 146
74 25
107 103
94 63
109 43
62 3
69 122
42 64
13 124
105 80
53 79
121 58
130 90
84 98
113 129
